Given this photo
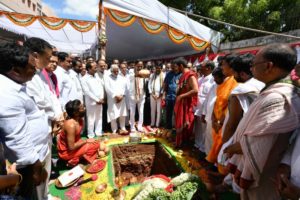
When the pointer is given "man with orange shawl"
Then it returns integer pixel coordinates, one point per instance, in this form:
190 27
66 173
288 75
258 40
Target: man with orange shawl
220 108
186 100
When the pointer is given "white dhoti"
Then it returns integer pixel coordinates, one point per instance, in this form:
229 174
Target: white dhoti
140 105
116 86
155 111
200 133
115 111
94 120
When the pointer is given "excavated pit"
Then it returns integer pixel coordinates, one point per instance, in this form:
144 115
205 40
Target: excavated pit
134 162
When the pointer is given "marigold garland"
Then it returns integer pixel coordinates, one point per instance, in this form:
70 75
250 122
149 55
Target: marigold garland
120 18
198 44
152 26
176 36
82 26
53 23
20 19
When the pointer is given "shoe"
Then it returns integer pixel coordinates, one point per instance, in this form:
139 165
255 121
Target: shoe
141 129
90 136
123 132
148 129
99 134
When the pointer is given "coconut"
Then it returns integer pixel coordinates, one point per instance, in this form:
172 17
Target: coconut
106 150
101 188
102 146
101 154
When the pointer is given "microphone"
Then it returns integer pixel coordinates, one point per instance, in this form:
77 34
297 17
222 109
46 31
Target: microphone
92 178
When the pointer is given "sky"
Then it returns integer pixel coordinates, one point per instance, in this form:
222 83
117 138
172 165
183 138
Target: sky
74 9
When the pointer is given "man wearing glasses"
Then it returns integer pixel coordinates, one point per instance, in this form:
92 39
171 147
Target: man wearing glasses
263 134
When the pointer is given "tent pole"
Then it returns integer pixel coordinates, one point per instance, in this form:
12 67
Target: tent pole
102 32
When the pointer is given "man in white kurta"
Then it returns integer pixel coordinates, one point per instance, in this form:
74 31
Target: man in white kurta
24 127
205 82
93 89
136 92
208 106
66 85
115 89
41 94
155 87
75 76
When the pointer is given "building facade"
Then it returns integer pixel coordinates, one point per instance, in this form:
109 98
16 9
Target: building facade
33 7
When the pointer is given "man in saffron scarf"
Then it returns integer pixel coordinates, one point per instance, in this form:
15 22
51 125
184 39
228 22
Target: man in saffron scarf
186 100
221 106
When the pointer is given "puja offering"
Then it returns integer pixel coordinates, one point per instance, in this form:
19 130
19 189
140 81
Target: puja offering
96 166
135 137
101 188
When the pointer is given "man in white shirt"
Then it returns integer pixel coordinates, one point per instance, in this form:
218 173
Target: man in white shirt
136 92
75 76
24 128
125 74
66 85
115 88
93 89
50 80
41 94
156 91
37 87
102 72
205 82
208 106
239 101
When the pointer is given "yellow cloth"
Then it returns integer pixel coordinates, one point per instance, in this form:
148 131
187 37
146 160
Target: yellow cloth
220 108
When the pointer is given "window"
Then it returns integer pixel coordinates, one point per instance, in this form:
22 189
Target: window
39 9
29 3
33 7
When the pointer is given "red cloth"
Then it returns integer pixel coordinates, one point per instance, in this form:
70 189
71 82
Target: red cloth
184 115
211 57
87 151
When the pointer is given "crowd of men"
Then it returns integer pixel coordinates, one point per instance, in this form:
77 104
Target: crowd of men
243 115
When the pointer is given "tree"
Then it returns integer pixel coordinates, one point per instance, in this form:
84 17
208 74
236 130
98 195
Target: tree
269 15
